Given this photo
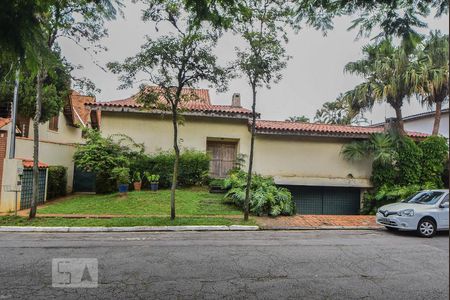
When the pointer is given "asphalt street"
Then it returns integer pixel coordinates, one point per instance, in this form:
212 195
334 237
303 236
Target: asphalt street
238 265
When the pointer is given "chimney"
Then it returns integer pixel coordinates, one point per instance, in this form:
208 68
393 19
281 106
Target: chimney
236 100
390 124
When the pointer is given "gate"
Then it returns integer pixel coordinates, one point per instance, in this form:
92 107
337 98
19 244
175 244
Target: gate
27 187
83 182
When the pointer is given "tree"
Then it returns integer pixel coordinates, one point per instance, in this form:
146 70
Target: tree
75 20
298 119
173 62
429 74
261 24
384 68
338 112
400 18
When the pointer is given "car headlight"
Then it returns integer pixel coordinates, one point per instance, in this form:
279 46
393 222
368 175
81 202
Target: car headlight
406 213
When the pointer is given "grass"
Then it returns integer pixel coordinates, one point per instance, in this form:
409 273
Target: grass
189 202
119 222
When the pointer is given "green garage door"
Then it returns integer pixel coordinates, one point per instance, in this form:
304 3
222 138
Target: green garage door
321 200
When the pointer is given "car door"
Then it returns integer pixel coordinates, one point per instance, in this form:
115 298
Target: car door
443 214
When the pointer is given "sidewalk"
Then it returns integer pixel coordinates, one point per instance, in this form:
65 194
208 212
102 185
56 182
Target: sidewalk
318 222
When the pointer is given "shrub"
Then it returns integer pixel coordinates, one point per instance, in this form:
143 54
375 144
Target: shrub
435 155
266 197
57 182
121 175
193 167
409 162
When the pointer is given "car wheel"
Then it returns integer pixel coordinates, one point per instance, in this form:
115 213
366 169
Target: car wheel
391 228
426 228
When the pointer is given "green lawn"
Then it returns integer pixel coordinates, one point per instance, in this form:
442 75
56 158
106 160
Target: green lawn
119 222
189 202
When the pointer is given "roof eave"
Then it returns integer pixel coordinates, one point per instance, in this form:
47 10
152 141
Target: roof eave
228 115
311 134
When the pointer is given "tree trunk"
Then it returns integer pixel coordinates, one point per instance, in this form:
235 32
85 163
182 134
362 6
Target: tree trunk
399 122
36 119
176 163
250 159
437 118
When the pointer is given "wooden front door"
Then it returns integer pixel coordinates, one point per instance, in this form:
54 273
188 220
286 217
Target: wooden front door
223 157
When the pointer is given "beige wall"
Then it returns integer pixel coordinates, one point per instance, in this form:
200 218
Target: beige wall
53 154
65 133
156 133
308 161
291 160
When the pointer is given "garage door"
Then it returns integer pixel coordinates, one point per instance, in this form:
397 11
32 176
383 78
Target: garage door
322 200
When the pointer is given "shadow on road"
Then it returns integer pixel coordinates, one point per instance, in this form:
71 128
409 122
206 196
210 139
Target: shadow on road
413 234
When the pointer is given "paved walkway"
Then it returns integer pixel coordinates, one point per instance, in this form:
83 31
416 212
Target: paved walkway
317 221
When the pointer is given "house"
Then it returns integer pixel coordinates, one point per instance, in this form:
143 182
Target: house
303 157
58 138
423 122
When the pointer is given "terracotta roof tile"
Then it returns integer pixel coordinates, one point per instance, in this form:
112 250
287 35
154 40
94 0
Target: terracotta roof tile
284 126
201 103
28 163
4 121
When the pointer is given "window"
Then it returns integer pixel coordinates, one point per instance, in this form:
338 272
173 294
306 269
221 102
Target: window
53 123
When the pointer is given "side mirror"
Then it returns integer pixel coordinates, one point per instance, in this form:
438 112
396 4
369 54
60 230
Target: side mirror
444 205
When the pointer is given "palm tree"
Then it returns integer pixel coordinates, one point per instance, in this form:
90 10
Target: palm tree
429 74
298 119
339 112
384 68
380 146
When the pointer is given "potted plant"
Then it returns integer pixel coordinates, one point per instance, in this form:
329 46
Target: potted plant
122 176
154 181
137 181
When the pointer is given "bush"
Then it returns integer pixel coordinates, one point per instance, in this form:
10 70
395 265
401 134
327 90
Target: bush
435 155
193 167
409 162
57 182
266 197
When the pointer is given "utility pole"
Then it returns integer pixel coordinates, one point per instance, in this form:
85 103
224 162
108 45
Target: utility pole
12 148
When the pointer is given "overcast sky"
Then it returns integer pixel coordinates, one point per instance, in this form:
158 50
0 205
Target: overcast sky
314 75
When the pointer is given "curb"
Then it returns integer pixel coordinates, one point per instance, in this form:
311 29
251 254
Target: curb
128 229
321 228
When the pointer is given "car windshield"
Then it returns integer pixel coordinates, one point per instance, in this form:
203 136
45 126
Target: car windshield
424 197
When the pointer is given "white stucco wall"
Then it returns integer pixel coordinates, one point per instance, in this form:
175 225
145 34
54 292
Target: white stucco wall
425 125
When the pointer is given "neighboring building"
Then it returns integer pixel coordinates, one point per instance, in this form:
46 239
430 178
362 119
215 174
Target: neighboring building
58 138
424 122
301 156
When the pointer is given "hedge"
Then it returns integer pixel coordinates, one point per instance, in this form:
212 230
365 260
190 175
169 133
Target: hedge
193 167
57 182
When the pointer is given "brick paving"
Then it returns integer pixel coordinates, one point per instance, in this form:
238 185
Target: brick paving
317 221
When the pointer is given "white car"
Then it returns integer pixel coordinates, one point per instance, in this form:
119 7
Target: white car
426 212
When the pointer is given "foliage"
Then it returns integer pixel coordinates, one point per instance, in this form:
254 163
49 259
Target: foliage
338 112
101 155
400 166
266 197
56 182
435 156
429 73
152 178
383 68
298 119
137 176
55 90
409 162
395 17
121 175
194 167
218 183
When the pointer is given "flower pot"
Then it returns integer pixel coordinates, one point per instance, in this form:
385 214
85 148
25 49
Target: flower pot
123 188
137 186
154 186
